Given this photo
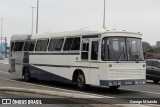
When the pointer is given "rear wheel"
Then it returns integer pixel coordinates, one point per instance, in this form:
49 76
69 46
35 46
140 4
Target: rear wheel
80 81
156 81
26 74
114 87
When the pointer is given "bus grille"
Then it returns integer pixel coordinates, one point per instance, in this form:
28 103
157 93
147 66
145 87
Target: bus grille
116 74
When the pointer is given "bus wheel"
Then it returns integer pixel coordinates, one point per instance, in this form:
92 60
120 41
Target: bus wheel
26 74
80 82
156 81
114 87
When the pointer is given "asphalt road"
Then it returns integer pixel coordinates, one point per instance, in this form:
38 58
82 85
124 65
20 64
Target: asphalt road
150 90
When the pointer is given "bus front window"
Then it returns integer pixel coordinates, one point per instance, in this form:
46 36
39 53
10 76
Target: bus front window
121 49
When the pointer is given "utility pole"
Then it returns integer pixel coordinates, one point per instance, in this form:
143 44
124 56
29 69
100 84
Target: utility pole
6 47
37 16
1 32
32 21
104 14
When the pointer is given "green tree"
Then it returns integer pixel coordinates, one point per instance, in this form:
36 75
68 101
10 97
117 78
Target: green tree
146 46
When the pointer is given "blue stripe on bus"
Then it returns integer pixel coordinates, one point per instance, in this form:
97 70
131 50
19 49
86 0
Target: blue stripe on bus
63 66
26 57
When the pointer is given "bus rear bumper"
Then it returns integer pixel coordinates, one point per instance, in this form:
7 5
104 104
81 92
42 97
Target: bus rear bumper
122 82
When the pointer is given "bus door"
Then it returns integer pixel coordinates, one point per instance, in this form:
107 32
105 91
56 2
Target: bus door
93 60
16 58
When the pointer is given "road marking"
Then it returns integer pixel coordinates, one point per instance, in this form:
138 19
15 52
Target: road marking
61 89
70 90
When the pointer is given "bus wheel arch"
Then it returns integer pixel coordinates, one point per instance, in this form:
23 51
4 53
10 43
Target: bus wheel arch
79 78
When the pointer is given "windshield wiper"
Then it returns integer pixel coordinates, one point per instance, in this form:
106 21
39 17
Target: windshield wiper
119 57
134 57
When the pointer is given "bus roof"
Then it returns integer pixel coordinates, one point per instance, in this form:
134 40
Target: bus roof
20 37
79 33
73 33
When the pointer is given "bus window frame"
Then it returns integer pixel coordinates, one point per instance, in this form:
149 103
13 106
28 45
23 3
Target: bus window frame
40 45
56 38
78 36
18 45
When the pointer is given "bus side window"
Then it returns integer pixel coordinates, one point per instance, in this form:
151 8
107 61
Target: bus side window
42 45
68 44
76 44
52 45
38 45
32 45
16 46
20 46
59 44
29 45
94 51
26 47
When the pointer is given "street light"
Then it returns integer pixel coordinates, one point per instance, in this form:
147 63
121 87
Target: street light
1 32
37 16
104 14
32 21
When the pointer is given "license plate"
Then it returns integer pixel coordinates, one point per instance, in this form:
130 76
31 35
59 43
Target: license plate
128 82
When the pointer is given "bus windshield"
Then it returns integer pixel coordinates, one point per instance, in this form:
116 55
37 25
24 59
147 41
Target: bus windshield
122 49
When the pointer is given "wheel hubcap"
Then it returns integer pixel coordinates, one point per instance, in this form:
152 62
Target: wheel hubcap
26 76
81 80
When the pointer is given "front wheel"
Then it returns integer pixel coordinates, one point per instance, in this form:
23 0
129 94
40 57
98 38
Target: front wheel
114 87
26 75
80 82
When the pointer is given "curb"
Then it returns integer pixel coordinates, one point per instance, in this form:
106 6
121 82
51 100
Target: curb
55 93
64 94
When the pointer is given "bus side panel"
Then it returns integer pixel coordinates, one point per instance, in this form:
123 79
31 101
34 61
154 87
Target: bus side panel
47 73
59 65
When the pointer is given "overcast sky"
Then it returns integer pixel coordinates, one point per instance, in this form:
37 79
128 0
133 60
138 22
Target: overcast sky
60 15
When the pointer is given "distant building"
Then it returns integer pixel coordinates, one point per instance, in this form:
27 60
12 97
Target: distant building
158 44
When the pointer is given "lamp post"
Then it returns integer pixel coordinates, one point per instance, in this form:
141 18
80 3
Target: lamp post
37 16
1 32
32 20
104 14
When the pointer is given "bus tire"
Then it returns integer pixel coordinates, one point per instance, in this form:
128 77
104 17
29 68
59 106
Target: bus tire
26 74
114 87
80 81
156 81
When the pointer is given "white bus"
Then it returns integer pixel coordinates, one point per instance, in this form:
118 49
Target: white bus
84 57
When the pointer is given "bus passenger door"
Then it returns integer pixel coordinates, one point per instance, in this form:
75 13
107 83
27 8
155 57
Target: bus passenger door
93 61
